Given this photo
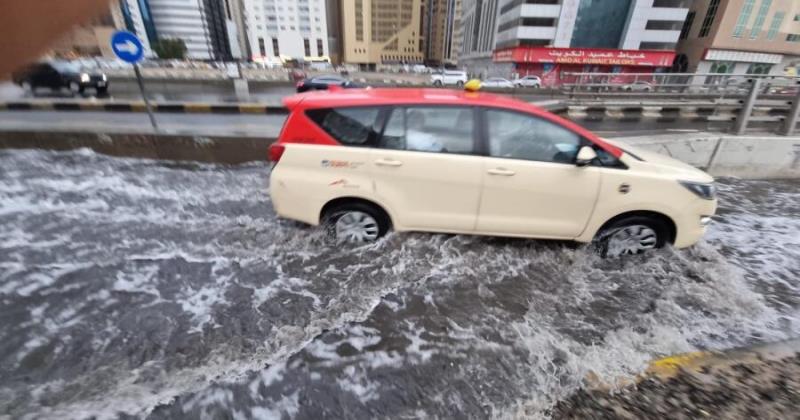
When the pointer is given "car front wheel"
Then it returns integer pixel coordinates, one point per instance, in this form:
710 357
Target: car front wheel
355 223
459 83
631 235
437 83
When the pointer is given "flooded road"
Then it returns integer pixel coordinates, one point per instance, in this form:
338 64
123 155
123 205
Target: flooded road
135 288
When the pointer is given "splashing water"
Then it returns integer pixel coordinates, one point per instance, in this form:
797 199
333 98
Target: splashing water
172 290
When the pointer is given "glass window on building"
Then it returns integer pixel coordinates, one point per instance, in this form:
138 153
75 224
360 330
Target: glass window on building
793 37
275 49
775 26
599 24
744 17
759 68
262 47
687 25
306 47
760 18
319 47
708 21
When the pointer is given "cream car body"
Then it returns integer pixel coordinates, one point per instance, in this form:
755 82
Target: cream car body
484 195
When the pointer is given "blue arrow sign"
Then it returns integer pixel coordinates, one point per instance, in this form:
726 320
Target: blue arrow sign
127 47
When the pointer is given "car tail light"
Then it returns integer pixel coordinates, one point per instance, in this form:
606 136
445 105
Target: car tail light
299 84
275 152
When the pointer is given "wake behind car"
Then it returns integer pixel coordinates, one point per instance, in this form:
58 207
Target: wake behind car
324 82
58 75
364 162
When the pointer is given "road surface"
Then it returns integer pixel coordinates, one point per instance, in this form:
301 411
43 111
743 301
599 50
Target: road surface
171 290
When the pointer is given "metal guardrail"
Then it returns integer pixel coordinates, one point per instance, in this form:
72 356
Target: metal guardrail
780 93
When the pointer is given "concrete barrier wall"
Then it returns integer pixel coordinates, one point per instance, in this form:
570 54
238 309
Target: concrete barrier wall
720 155
232 150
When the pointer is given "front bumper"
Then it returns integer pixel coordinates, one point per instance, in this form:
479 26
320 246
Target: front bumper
691 226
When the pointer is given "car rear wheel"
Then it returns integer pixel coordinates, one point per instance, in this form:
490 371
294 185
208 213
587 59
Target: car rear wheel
631 235
459 83
437 83
355 223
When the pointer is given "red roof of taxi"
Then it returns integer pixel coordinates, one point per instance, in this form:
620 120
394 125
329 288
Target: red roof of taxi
395 96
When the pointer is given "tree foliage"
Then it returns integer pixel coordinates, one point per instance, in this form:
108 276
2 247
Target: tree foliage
170 48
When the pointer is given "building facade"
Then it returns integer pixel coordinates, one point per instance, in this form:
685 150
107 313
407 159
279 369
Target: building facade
92 39
280 30
442 23
207 27
740 37
550 38
378 32
138 20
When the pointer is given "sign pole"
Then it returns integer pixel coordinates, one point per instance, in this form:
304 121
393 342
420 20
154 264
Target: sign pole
144 96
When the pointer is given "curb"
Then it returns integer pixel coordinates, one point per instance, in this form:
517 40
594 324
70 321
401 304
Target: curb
139 106
701 361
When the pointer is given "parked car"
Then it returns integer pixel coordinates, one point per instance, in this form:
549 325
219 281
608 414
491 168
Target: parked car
497 82
529 81
449 78
367 162
324 82
57 75
638 86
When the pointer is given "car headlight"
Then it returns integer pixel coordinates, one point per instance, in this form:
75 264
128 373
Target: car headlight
85 78
702 190
105 78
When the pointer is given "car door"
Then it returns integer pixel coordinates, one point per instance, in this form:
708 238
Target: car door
531 186
425 167
40 75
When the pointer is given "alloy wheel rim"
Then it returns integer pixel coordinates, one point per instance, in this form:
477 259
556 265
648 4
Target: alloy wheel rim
633 239
356 227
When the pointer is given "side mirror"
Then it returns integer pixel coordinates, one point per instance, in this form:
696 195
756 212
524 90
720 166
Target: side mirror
585 156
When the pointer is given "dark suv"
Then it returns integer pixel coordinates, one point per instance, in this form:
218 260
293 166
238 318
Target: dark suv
58 75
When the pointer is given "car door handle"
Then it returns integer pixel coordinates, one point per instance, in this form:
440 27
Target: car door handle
388 162
501 172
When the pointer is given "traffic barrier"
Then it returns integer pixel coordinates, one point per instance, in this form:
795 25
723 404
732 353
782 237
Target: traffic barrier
139 106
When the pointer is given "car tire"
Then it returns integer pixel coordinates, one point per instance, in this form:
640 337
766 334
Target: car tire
75 88
355 222
102 91
459 83
437 83
631 235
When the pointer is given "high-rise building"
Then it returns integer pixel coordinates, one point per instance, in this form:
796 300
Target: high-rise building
237 35
138 19
740 37
383 31
553 37
442 22
296 29
333 10
207 27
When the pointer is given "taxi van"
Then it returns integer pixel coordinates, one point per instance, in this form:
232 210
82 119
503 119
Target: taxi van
362 162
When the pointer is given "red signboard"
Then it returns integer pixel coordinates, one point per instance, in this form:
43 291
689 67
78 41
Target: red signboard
595 56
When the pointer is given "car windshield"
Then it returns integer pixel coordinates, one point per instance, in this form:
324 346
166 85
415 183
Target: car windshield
66 67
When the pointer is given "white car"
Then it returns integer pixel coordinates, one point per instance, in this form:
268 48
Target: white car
640 86
449 78
497 82
529 81
362 162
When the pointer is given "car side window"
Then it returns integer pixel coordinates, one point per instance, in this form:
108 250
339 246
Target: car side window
351 126
441 129
516 135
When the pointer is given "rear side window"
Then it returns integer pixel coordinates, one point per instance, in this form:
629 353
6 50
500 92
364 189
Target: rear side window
441 129
350 126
